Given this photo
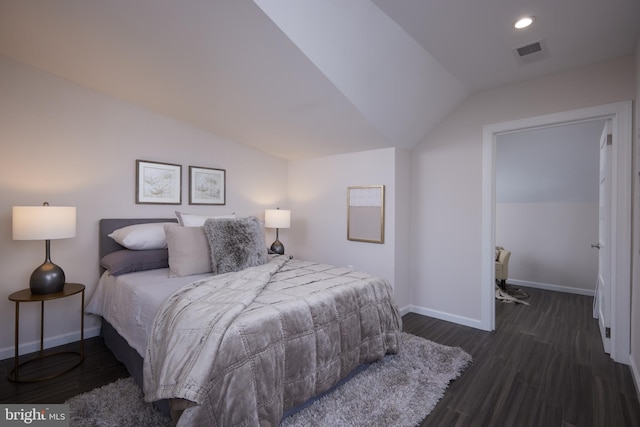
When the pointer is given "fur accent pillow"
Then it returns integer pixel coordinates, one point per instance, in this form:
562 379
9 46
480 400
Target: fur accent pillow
235 244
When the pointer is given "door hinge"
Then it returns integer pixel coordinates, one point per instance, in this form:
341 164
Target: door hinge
607 332
609 139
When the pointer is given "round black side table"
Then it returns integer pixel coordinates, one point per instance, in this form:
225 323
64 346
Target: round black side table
24 296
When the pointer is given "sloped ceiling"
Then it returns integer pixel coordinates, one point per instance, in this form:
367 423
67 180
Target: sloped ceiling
397 85
225 66
474 39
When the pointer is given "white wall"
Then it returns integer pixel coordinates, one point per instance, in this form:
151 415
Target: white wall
635 290
550 244
403 230
318 197
447 180
68 145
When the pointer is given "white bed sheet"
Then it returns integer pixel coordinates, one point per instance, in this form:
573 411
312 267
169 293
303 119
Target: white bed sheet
129 302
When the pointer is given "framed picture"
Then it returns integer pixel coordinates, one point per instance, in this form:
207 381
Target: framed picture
365 213
207 186
158 183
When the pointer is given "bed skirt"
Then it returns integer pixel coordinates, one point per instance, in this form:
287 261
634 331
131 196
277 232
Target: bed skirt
129 358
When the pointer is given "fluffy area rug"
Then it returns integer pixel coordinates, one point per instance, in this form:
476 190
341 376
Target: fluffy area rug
400 390
119 404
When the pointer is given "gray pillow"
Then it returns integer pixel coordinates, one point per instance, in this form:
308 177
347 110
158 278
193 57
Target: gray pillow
128 261
188 250
235 244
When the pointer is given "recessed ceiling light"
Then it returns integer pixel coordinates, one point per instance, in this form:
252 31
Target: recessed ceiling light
523 22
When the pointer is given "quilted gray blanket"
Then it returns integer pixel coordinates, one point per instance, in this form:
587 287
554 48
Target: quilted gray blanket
244 347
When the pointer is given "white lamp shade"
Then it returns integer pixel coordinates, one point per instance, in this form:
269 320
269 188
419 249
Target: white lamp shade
277 218
43 222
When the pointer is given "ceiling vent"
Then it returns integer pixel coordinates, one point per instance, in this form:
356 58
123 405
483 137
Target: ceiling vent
531 52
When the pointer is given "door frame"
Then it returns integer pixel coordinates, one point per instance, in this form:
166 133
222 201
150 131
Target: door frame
620 114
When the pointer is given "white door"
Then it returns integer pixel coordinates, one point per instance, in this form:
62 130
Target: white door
602 300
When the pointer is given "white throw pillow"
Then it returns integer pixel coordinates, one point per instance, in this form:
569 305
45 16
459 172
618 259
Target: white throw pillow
193 220
188 250
141 236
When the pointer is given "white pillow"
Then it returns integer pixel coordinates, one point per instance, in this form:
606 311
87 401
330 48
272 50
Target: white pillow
188 250
142 236
193 220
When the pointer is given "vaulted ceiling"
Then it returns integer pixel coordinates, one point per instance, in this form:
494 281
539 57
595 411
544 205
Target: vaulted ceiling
305 78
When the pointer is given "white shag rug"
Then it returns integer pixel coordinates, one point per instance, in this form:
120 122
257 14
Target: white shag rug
119 404
400 390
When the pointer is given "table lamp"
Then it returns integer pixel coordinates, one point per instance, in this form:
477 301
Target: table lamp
45 223
277 218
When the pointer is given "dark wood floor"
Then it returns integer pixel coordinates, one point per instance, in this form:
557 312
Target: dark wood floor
100 367
543 366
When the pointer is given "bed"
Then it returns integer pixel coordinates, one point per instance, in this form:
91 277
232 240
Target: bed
239 345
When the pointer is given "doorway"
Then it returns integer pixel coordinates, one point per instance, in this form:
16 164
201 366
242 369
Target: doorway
547 203
620 116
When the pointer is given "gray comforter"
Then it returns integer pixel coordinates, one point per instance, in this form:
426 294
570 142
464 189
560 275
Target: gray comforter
244 347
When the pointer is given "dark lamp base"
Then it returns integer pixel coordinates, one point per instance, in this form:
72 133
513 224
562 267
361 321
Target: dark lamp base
277 247
47 279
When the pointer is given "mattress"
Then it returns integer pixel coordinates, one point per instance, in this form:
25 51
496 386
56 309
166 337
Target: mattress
129 302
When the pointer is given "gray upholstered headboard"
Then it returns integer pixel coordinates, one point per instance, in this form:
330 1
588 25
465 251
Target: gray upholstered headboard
107 225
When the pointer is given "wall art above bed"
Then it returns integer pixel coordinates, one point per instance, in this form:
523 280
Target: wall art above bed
207 186
158 183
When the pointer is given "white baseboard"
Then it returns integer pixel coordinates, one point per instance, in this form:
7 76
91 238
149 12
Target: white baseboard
635 373
556 288
441 315
404 310
33 346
